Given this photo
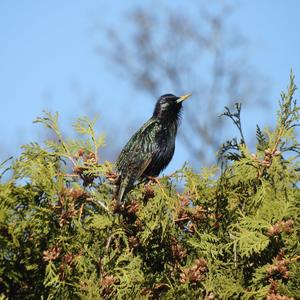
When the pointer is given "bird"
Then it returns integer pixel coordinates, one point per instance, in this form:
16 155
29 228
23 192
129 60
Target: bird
151 148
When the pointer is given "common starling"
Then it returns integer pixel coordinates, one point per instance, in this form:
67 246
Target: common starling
151 148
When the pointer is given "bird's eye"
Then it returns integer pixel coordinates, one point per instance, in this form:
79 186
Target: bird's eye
164 104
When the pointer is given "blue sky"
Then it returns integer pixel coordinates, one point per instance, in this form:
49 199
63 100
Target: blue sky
48 61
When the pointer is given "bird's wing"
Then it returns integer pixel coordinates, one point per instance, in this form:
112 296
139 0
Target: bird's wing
136 156
127 181
139 149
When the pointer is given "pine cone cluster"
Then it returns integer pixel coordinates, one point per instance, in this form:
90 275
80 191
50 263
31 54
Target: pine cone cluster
195 273
87 159
281 226
107 283
273 292
178 252
280 267
51 254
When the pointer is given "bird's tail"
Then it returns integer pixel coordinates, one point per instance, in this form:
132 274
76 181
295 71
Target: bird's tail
125 185
121 193
122 189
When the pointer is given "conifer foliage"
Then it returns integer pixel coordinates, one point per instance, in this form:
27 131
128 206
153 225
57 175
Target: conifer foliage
232 232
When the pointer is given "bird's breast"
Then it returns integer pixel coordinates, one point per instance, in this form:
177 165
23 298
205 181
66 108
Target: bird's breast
165 141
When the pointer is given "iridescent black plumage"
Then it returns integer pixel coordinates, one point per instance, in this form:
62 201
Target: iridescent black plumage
152 147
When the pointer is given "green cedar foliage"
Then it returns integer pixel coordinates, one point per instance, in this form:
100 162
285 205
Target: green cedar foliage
232 232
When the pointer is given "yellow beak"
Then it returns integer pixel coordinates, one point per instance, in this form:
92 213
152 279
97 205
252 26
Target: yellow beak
184 97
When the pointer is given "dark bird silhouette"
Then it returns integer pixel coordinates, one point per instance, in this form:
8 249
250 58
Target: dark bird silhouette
151 148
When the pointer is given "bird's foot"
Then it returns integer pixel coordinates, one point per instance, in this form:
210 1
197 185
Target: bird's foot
153 179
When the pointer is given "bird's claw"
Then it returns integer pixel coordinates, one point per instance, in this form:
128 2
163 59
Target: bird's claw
153 179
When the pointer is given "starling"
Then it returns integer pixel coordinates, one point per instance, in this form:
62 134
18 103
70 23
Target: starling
151 148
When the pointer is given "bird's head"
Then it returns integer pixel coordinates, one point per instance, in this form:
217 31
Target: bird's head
168 107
